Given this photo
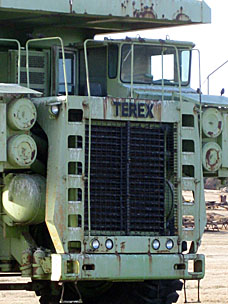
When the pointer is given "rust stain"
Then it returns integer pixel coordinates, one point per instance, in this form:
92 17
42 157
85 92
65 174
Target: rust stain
208 158
150 256
182 16
150 262
64 105
145 12
119 262
157 110
105 107
148 246
220 125
85 104
195 110
116 245
27 259
122 246
163 251
84 177
71 6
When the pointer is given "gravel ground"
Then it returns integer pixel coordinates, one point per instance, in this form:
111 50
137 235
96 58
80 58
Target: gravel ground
214 287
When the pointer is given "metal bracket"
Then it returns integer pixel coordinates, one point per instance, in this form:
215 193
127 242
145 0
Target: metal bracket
62 301
185 293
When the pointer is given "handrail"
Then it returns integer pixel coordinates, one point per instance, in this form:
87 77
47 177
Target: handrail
64 63
201 139
132 68
218 68
89 146
19 57
179 143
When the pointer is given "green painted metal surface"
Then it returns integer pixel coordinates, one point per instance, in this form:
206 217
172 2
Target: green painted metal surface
22 150
21 114
127 267
23 198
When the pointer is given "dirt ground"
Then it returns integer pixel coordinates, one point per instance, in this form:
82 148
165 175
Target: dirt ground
213 288
17 297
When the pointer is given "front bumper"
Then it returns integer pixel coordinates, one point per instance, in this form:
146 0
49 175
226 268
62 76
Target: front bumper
123 267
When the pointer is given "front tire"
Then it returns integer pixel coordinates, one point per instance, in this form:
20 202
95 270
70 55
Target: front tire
147 292
48 299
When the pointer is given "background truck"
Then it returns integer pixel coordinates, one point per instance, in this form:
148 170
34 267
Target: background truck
98 141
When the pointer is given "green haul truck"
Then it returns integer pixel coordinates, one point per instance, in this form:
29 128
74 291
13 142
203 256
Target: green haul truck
98 141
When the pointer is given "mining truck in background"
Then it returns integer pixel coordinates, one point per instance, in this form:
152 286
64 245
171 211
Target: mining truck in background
98 141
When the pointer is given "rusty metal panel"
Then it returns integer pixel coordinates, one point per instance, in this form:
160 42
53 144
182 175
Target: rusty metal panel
3 155
188 11
178 11
115 108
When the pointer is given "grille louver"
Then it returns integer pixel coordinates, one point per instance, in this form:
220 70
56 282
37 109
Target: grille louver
38 70
127 189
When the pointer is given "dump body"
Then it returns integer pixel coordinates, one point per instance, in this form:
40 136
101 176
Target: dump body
118 15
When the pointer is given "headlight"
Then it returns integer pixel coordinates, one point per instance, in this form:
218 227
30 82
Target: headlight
155 244
55 110
109 244
95 244
169 244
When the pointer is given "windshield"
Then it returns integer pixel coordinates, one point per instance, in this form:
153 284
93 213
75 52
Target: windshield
151 64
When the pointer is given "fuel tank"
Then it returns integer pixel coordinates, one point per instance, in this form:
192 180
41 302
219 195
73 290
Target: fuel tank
23 198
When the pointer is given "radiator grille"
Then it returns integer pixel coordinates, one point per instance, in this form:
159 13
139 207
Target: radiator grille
128 168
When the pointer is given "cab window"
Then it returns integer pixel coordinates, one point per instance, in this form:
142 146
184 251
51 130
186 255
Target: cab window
70 65
155 64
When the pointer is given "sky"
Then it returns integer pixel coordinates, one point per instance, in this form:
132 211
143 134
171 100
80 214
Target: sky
212 42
